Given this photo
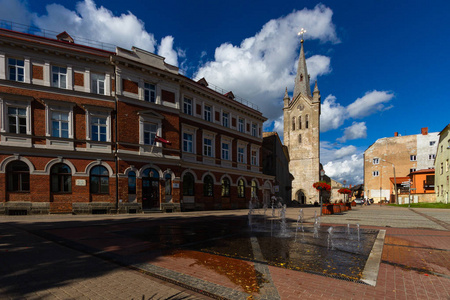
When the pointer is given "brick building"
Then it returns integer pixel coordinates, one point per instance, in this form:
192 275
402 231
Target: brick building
406 154
86 130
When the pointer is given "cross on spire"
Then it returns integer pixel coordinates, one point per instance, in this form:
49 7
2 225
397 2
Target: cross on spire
302 32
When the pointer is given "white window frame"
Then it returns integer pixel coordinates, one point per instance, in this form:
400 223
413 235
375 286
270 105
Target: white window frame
241 156
376 161
150 128
187 142
187 107
150 89
18 102
226 151
241 125
431 156
254 159
207 113
432 143
52 106
413 157
243 145
98 112
225 119
412 170
16 67
60 76
254 129
98 82
146 117
208 148
375 173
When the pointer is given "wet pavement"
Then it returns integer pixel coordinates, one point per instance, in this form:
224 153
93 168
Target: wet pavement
202 255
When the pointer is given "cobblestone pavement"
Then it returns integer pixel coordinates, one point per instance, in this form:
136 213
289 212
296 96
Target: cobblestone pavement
83 257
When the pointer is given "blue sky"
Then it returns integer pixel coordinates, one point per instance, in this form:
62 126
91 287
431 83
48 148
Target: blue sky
382 66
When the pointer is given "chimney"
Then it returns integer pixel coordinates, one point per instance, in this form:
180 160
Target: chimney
425 131
395 133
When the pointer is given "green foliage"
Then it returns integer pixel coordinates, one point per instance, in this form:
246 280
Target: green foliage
425 205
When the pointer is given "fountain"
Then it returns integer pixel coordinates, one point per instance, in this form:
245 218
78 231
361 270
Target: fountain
359 236
330 238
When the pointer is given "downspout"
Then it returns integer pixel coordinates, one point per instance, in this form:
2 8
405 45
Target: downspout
116 146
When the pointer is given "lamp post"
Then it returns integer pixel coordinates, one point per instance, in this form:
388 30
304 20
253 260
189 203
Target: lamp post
322 172
395 180
345 181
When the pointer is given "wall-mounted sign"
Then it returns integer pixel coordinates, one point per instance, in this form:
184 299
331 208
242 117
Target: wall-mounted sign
80 182
176 185
276 188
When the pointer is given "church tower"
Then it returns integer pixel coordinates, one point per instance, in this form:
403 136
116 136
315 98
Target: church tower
302 134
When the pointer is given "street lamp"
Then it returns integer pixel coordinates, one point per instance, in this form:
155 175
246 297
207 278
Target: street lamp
345 181
395 180
322 172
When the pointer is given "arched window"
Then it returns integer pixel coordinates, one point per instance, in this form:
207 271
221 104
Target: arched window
132 182
208 186
225 187
293 123
168 179
241 188
299 138
61 178
300 122
18 175
307 121
254 188
99 180
188 184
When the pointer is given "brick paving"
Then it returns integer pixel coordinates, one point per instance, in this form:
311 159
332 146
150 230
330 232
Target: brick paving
84 257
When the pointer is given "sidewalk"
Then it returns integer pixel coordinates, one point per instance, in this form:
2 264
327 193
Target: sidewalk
66 264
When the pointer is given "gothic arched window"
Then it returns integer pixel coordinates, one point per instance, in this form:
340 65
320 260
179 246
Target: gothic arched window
293 123
299 138
300 122
306 121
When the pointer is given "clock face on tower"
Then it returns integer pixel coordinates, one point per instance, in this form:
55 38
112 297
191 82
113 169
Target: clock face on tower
300 107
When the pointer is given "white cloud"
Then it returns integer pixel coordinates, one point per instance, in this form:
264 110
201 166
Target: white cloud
332 114
345 151
262 65
166 50
370 103
357 130
91 22
349 169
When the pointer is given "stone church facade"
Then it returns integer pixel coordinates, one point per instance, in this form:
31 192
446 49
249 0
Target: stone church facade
302 134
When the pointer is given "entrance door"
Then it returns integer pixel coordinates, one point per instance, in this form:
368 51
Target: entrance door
150 189
301 197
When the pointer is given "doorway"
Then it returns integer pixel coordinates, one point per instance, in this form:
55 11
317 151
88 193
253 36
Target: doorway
150 189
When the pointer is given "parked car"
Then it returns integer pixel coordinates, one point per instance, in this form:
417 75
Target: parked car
359 201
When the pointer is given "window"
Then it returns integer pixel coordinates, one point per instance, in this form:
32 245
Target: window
442 168
299 138
376 161
18 176
150 131
207 113
149 92
254 189
188 184
293 123
225 187
375 173
98 83
225 151
99 129
254 157
431 156
412 157
132 183
446 165
241 125
16 69
300 122
61 178
241 188
208 186
241 157
412 170
207 147
17 120
254 129
432 143
59 77
168 185
225 119
60 124
307 121
99 180
187 106
187 143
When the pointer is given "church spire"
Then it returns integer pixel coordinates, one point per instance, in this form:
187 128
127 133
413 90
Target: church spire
302 79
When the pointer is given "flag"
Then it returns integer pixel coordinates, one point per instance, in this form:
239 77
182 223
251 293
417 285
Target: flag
161 140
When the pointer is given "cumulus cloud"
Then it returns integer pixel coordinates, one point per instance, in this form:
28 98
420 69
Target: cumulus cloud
91 22
357 130
332 114
166 50
370 103
260 68
349 169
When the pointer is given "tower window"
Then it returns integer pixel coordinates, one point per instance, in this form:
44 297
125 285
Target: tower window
307 121
293 123
299 138
300 122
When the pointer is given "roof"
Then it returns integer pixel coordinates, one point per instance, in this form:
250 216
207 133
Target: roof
399 180
423 171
